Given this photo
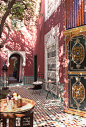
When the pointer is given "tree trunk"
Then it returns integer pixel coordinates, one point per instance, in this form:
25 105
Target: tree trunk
10 5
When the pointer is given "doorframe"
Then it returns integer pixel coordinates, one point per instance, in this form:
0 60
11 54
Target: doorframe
35 67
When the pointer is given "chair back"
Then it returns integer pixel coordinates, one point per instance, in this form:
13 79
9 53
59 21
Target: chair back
40 76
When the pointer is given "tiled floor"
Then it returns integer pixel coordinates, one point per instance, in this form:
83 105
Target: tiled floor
48 112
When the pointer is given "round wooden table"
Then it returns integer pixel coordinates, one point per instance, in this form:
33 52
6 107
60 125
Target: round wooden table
49 81
37 83
37 86
26 110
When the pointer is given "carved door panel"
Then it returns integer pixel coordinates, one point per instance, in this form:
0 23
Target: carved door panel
77 73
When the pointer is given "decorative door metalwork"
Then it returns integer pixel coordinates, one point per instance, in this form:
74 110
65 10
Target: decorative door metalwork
51 59
78 53
77 73
51 62
51 67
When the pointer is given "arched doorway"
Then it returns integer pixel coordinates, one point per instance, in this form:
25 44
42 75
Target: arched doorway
15 68
17 58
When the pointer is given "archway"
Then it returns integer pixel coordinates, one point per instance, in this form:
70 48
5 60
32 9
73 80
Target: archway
15 68
21 53
20 58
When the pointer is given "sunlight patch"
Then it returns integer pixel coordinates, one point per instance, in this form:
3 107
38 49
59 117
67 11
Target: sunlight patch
50 7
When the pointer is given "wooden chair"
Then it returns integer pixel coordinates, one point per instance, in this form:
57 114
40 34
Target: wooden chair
38 85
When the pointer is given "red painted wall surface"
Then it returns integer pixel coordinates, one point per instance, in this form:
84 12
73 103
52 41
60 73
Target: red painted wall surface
45 27
27 43
3 58
19 42
39 47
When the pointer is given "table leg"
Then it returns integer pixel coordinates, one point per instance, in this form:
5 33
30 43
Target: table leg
21 121
48 91
11 122
47 94
31 120
4 122
14 122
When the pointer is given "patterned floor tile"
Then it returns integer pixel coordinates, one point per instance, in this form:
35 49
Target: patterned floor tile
48 112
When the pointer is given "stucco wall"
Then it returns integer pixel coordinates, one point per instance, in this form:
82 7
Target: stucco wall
23 41
44 28
39 47
26 43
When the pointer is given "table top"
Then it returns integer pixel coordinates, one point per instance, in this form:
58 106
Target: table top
37 83
27 105
49 81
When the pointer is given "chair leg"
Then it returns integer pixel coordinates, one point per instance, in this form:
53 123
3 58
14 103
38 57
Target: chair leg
33 92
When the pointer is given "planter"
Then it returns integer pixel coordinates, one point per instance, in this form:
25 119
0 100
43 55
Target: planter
5 88
4 92
14 74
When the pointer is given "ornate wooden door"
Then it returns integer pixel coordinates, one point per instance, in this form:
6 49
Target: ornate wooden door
77 73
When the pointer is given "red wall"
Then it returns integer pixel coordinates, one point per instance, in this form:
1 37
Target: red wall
19 42
45 27
3 58
27 42
39 47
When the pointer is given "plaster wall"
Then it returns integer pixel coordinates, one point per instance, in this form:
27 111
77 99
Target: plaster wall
56 18
17 42
39 47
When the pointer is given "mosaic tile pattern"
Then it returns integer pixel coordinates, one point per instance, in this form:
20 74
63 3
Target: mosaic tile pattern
48 112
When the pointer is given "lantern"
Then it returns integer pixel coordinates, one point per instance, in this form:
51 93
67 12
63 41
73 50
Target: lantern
4 69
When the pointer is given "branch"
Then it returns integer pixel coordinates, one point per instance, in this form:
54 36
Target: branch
22 3
10 5
7 34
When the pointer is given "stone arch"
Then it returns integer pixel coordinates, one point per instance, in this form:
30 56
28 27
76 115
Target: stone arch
21 53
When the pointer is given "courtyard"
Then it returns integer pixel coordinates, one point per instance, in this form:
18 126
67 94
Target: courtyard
45 41
47 112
